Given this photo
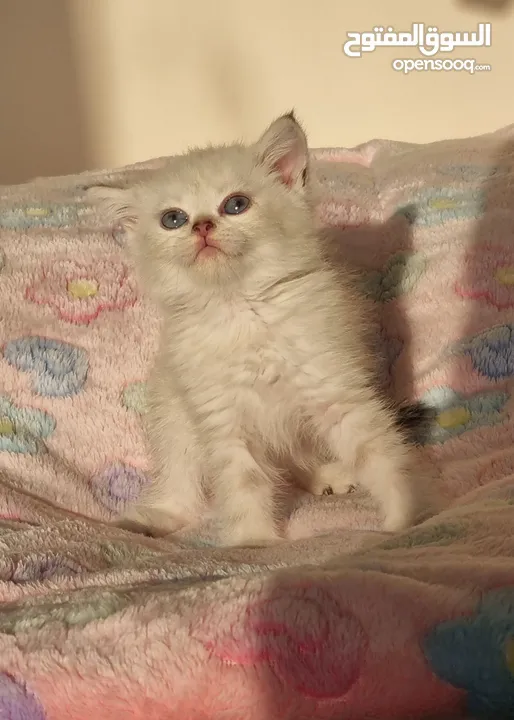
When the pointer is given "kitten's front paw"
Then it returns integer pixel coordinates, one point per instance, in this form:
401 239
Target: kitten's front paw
399 512
152 522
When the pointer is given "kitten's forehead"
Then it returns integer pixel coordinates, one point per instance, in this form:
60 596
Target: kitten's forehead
205 175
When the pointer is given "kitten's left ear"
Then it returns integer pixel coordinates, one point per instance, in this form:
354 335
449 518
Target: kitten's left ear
283 149
116 203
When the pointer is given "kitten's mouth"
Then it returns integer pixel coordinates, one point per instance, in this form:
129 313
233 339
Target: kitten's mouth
207 249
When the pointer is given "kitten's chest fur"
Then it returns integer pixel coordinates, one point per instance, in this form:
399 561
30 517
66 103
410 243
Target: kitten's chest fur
246 361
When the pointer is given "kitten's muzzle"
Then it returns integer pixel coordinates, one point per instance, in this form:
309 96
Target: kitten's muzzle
204 227
202 230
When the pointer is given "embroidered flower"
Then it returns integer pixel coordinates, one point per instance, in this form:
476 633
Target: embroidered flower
79 293
70 611
24 217
118 485
16 702
458 414
492 352
399 276
58 369
488 275
436 206
476 654
23 429
134 397
306 638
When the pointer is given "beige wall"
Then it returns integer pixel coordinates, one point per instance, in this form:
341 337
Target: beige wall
98 83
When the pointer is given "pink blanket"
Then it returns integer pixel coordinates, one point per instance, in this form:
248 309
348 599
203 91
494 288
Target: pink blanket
341 620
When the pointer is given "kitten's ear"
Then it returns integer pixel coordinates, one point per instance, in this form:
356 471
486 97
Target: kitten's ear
283 149
116 203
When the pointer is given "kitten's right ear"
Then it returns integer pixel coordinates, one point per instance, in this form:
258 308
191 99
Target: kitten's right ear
116 203
283 149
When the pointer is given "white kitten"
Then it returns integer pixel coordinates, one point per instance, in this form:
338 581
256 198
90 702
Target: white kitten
262 365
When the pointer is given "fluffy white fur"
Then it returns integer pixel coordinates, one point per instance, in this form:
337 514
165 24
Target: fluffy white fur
263 368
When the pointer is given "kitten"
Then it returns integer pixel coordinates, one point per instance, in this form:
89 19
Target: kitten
262 366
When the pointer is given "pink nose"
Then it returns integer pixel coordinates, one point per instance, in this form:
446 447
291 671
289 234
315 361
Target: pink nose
203 227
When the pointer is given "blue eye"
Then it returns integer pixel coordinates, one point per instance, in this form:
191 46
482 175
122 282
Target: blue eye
173 219
236 204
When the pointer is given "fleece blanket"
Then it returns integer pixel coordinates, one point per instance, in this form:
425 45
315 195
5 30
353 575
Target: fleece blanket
341 620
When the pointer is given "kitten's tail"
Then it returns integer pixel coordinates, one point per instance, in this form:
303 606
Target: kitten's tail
416 420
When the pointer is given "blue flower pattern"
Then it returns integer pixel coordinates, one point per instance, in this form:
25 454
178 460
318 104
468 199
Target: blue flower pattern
399 276
476 654
17 702
22 430
458 414
437 206
24 217
492 352
59 369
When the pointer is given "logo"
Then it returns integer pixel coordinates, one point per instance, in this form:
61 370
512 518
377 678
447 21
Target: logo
429 43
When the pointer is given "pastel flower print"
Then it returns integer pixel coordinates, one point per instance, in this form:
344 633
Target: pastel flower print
23 430
17 702
117 485
315 646
458 414
436 206
79 293
58 368
25 217
488 275
476 654
399 276
491 352
134 397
